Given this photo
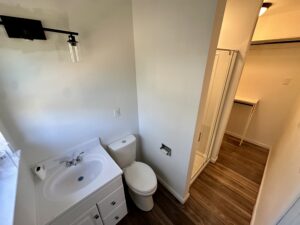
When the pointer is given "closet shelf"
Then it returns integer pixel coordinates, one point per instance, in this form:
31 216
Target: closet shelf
246 101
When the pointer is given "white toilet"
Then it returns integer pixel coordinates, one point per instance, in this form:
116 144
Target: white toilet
139 177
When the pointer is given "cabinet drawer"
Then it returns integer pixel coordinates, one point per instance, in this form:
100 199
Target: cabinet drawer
91 216
116 215
111 202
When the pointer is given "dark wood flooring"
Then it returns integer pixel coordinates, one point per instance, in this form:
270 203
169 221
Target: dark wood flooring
224 193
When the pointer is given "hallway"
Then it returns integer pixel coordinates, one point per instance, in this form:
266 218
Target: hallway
224 193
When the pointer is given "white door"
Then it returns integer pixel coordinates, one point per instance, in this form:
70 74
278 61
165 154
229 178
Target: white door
221 74
90 217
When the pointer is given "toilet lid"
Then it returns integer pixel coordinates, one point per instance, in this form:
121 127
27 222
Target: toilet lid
140 177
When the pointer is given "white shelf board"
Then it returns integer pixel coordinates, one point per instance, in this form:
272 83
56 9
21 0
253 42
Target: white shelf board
246 101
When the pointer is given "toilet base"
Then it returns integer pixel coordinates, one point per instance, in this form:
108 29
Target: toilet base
144 203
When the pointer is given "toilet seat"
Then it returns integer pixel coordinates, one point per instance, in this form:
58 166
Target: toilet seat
140 178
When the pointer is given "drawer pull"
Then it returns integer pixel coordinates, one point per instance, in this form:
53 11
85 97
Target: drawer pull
113 203
96 216
116 217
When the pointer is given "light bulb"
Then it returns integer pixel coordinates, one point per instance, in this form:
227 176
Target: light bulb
262 10
76 53
265 6
71 53
73 49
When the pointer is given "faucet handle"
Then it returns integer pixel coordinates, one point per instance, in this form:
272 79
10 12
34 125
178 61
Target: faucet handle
66 162
79 158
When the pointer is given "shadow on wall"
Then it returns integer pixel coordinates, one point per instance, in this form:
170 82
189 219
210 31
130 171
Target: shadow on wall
55 43
6 116
58 118
49 18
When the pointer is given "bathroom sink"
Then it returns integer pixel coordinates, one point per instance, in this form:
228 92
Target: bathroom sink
67 181
64 187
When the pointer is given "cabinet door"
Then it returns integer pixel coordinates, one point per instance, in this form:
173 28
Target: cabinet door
90 217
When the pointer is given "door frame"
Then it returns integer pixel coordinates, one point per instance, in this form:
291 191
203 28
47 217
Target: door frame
218 114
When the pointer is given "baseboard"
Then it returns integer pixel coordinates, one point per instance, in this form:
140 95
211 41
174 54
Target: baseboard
198 173
260 144
181 199
214 159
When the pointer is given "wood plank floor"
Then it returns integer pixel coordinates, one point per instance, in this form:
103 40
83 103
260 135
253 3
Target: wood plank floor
224 193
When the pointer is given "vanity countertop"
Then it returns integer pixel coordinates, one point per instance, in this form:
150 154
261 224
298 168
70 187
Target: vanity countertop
49 208
8 187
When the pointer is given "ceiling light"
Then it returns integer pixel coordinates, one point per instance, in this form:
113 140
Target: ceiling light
264 8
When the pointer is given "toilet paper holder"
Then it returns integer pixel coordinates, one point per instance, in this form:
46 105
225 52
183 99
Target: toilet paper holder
166 149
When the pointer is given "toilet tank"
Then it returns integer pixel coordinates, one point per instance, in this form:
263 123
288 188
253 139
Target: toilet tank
123 151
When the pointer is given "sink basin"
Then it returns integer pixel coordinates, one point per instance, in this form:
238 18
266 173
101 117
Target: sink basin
65 187
67 181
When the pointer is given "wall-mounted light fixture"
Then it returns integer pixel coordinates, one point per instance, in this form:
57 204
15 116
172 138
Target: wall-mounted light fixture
33 30
264 8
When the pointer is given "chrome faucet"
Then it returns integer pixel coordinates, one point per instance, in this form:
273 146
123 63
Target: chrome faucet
79 158
74 161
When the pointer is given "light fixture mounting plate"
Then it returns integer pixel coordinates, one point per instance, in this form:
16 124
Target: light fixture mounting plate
267 4
23 28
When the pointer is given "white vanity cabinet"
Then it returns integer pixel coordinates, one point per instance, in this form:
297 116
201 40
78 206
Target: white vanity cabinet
106 206
90 217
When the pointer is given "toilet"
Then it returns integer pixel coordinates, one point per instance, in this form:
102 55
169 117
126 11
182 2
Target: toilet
140 178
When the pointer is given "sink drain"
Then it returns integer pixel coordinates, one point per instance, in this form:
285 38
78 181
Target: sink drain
80 178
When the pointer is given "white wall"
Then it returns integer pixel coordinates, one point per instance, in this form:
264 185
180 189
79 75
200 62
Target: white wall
25 208
281 185
49 104
236 33
172 40
271 74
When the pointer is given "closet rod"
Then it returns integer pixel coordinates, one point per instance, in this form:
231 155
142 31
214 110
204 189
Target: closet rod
276 41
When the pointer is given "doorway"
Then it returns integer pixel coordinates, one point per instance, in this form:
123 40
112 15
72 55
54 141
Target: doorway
218 86
266 93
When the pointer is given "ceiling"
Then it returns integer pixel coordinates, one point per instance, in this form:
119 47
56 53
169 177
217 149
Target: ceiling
283 6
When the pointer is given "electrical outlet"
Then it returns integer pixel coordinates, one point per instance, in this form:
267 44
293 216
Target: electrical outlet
117 113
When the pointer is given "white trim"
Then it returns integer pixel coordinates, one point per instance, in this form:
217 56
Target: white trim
201 154
260 144
181 199
214 159
260 189
198 172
